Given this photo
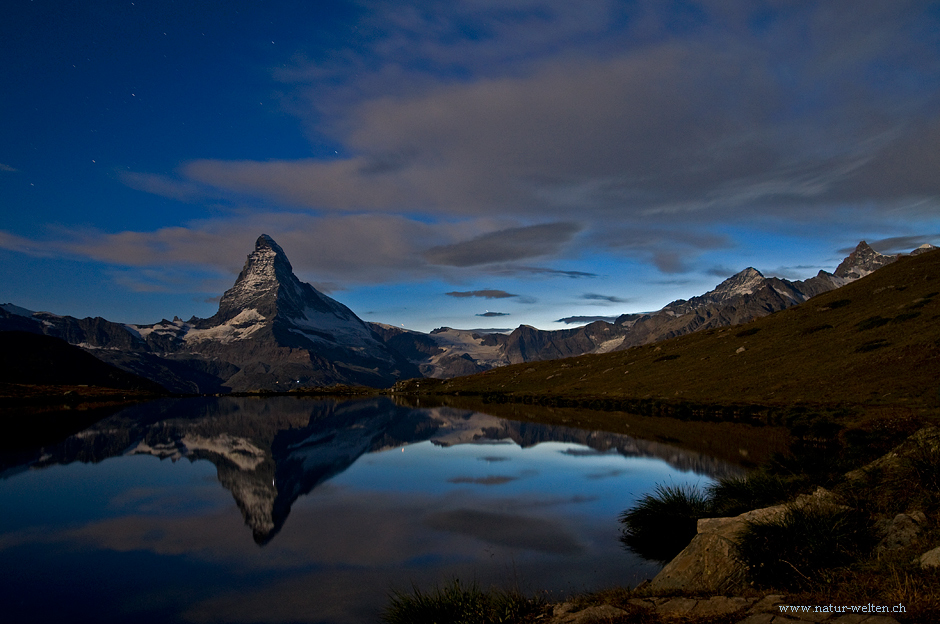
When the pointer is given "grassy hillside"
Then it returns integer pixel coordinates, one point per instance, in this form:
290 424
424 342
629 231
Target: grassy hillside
874 342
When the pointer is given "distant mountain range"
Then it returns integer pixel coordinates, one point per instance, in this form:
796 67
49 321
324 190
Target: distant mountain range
274 332
743 297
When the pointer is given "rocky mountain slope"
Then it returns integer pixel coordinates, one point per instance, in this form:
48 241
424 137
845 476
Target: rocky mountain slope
271 332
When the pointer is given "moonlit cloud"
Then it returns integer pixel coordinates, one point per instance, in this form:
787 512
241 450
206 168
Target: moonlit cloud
23 245
545 271
585 319
603 299
505 245
901 244
165 186
486 294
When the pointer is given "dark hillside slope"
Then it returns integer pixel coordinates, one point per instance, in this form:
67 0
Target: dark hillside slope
35 359
875 341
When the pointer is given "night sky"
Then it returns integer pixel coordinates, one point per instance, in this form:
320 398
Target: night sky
475 164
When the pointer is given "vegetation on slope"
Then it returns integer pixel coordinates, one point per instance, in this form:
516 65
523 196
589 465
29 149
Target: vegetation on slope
873 342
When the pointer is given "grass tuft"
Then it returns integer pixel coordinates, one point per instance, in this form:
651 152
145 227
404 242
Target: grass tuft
456 603
661 524
792 550
732 496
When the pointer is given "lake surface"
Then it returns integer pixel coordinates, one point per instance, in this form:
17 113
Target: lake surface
298 510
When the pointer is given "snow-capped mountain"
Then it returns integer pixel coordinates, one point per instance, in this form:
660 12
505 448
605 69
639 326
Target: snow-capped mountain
271 332
269 302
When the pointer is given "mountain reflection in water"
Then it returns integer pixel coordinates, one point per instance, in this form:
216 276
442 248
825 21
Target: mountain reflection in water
379 496
270 451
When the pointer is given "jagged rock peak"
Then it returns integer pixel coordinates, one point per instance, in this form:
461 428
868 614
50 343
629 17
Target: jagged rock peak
266 242
862 261
266 270
743 283
265 248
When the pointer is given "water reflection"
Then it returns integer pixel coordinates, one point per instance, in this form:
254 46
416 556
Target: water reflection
347 499
268 452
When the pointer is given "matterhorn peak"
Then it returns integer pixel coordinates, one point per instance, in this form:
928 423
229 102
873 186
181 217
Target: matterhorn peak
266 271
266 242
265 247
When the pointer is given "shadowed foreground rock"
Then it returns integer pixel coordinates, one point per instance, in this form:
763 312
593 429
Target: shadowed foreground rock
709 563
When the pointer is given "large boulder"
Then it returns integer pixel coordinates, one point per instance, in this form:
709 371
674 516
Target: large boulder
709 564
931 558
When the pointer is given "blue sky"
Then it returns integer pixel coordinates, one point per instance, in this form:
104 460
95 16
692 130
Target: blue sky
431 163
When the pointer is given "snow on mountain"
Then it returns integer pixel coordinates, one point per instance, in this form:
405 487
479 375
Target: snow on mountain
240 327
923 249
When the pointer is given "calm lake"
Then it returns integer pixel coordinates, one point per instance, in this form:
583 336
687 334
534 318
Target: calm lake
299 510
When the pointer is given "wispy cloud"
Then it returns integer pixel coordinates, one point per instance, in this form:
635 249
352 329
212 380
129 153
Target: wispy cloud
182 190
20 244
720 271
544 271
7 168
903 244
570 320
603 299
485 294
505 245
